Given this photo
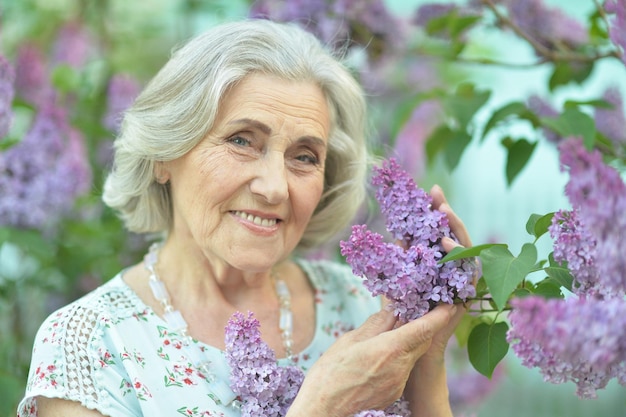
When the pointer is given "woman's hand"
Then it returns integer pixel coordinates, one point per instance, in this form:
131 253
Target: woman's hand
368 368
457 227
440 340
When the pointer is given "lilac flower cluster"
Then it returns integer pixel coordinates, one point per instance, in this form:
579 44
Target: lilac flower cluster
359 28
548 26
74 45
578 339
598 193
429 11
367 22
121 92
398 409
7 91
41 176
467 387
611 122
574 244
264 388
412 278
617 26
410 142
31 78
583 338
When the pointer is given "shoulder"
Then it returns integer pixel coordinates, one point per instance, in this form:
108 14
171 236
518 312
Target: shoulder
66 347
113 300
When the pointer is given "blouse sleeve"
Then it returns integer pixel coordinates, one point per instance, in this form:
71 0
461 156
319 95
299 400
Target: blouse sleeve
64 361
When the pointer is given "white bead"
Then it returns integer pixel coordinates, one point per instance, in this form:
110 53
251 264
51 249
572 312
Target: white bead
175 320
282 290
158 290
286 321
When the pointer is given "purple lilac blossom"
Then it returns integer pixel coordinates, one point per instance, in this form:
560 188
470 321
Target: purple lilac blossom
31 76
7 91
548 26
335 22
410 143
611 122
598 193
41 176
412 278
73 46
264 388
576 245
429 11
467 387
121 92
578 339
544 109
394 410
617 25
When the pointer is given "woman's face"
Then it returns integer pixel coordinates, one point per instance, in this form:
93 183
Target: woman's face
246 192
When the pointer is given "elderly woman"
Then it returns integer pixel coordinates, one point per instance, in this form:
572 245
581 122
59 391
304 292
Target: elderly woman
245 149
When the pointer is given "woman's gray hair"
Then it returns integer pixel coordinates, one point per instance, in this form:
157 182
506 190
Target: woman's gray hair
178 107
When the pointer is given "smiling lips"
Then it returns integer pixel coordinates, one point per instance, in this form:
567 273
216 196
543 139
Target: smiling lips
260 221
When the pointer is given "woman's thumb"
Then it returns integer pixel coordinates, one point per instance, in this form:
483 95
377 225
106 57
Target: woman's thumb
376 324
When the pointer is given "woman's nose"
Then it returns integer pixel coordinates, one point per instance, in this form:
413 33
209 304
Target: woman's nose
270 180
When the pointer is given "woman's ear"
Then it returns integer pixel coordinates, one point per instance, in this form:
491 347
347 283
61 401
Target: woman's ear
161 174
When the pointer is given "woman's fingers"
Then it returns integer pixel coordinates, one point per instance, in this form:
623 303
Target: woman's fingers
456 224
417 335
376 324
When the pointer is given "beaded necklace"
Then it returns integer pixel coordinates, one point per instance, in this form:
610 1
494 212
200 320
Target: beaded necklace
219 391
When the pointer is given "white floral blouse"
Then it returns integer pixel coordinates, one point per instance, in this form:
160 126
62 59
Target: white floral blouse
110 352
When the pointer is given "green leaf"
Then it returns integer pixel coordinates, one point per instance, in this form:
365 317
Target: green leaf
548 288
455 148
573 122
502 114
560 275
566 72
597 26
460 252
437 141
487 346
461 24
451 24
481 287
519 154
65 78
503 272
465 103
600 103
522 292
537 224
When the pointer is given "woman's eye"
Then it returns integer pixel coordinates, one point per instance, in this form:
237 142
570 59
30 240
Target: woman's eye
308 158
238 140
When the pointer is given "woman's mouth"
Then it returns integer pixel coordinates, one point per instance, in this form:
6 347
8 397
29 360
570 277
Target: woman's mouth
260 221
